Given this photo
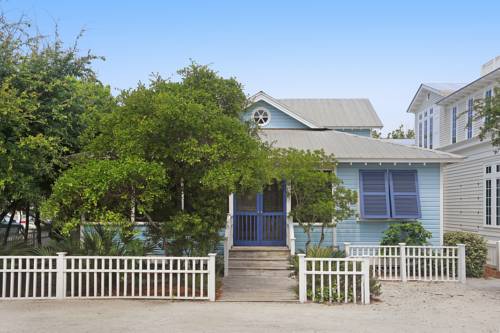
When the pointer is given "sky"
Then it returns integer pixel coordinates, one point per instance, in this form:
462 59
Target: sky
381 50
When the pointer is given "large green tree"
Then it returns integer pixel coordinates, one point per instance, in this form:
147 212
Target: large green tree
191 129
49 93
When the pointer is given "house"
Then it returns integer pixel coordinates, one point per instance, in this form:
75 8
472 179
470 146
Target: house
394 182
471 192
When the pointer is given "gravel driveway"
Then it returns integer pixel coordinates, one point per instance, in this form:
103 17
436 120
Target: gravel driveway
411 307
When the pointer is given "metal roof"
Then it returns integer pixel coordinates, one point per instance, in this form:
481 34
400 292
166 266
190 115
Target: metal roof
353 148
335 112
442 89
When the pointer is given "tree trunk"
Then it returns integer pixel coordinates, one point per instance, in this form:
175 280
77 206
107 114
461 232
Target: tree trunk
38 227
308 233
8 226
27 228
322 238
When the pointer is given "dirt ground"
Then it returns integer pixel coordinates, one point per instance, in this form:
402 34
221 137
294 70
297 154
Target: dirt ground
411 307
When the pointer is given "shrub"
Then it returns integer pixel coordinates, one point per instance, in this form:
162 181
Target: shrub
475 250
411 233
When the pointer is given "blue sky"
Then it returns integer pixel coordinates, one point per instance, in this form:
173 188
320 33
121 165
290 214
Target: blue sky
373 49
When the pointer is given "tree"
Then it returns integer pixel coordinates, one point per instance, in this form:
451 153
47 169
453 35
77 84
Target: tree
376 134
192 131
318 196
47 93
399 133
489 110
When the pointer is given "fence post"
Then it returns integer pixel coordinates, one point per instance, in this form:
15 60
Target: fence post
347 249
402 262
302 278
365 267
498 255
60 268
211 276
461 263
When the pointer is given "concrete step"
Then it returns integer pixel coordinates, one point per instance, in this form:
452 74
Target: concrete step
258 263
255 254
265 271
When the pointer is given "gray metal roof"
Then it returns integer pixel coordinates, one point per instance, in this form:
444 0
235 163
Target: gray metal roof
335 112
353 148
445 89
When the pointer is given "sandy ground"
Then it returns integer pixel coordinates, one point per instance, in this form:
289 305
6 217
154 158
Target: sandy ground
411 307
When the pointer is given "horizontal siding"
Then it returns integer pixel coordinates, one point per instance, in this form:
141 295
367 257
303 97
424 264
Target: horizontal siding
301 237
371 231
278 118
464 193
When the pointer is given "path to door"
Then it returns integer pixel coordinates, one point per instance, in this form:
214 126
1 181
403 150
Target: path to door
414 307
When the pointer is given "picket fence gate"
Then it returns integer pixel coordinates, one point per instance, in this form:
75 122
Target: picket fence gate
340 280
87 277
415 263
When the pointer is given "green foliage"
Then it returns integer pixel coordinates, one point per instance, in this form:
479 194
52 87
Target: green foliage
376 134
105 191
99 240
489 110
399 133
411 233
318 195
475 250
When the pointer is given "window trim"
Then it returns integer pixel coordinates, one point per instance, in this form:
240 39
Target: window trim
454 112
268 116
494 177
470 119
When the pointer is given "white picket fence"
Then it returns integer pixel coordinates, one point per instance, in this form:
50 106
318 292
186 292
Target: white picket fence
341 280
415 263
87 277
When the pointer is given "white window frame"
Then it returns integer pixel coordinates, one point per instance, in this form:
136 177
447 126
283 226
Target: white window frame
467 117
493 176
456 124
268 116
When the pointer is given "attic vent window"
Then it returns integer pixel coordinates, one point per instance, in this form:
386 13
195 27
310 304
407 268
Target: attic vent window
261 117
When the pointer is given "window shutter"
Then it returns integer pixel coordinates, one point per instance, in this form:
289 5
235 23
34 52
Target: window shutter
405 201
374 193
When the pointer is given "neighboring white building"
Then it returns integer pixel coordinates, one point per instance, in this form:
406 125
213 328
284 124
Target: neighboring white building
471 189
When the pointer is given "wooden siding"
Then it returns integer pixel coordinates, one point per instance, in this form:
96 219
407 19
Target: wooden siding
464 194
279 119
370 231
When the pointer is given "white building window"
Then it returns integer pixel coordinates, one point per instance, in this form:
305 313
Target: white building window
492 195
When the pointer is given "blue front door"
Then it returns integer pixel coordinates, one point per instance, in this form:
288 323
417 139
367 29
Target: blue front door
260 218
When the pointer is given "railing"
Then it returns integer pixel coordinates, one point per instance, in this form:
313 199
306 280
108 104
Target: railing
228 242
416 263
290 232
61 276
341 280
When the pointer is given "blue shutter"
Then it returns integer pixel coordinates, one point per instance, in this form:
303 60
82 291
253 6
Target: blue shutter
374 194
405 201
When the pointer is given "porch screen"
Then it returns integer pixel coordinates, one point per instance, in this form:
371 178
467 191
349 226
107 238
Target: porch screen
389 194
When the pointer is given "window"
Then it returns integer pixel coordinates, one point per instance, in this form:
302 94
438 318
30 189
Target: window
454 125
431 125
261 117
470 113
389 194
492 195
420 134
425 133
487 94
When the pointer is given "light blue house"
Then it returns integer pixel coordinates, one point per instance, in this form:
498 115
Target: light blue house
394 182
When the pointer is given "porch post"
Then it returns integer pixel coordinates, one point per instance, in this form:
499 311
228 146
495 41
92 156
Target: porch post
289 222
228 234
302 278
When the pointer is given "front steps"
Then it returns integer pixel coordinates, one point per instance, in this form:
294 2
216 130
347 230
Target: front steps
259 274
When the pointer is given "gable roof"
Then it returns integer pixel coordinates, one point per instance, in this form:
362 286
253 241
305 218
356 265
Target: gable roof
262 96
441 89
484 81
325 112
335 112
353 148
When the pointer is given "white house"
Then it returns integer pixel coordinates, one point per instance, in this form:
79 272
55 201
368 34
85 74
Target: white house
471 189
